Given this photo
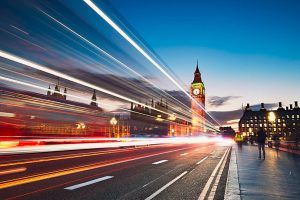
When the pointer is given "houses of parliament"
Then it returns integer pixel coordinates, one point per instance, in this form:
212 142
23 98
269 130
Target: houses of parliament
54 114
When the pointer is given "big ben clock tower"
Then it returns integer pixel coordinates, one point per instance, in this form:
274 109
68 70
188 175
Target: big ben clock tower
198 93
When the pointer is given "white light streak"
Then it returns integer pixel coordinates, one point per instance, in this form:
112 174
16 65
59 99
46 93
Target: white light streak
108 55
137 47
70 78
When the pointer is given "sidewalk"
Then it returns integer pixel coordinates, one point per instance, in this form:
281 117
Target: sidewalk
277 177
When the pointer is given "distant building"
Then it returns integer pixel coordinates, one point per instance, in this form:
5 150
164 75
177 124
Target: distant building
56 93
227 131
285 122
53 114
156 121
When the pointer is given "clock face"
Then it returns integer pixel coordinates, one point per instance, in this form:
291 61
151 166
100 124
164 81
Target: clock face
196 91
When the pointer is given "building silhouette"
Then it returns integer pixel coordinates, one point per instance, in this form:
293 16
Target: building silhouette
283 121
56 92
197 91
156 120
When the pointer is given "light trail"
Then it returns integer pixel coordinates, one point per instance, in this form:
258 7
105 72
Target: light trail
70 78
41 88
78 97
144 53
63 157
77 169
14 170
113 58
19 29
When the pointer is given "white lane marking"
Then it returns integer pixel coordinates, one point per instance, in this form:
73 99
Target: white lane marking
158 162
211 178
165 186
215 185
158 178
74 187
196 149
14 170
183 154
201 160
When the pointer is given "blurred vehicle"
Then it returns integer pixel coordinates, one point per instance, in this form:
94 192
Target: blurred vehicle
238 138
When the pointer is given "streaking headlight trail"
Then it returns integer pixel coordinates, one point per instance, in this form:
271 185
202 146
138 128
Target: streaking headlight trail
144 53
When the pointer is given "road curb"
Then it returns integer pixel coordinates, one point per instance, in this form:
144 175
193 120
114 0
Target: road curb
232 190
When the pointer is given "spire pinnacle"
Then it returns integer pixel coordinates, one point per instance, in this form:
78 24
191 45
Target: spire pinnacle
197 71
197 75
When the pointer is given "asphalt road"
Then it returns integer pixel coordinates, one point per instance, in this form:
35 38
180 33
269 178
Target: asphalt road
168 171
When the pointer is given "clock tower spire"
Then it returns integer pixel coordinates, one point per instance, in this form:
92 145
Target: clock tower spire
198 93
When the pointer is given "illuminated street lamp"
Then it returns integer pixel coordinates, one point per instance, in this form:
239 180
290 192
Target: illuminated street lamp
272 119
80 125
113 122
172 117
158 118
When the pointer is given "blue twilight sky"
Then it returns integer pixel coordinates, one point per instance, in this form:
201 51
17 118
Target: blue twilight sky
246 49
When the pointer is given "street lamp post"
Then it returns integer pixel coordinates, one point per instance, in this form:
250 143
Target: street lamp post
271 119
113 122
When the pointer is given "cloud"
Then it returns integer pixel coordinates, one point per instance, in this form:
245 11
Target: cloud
224 116
180 96
219 101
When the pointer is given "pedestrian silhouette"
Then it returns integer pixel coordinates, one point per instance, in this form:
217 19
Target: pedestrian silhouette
261 140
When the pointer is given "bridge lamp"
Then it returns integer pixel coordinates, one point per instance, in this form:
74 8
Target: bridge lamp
113 121
271 117
172 117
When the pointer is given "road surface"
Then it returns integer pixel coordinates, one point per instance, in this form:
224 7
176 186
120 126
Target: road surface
166 171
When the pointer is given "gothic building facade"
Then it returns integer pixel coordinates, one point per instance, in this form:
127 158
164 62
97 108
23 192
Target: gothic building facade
197 91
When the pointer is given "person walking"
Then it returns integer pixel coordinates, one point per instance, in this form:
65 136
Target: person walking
261 140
